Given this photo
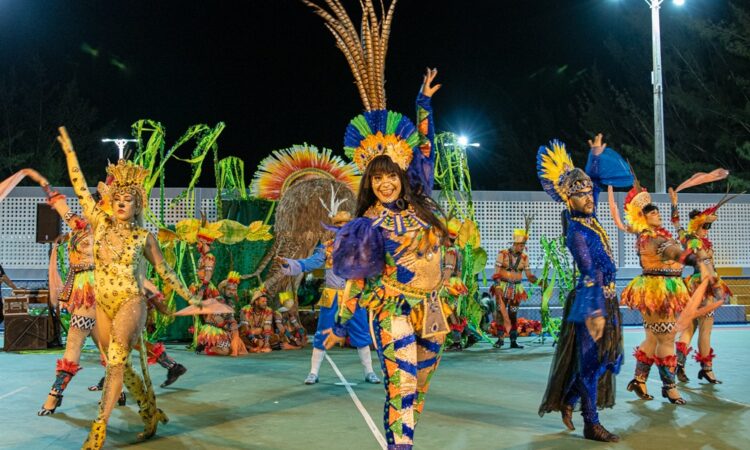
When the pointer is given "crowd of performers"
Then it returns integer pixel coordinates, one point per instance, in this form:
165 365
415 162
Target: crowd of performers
392 276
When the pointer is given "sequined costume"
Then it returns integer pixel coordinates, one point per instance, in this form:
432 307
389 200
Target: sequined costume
357 327
695 239
584 369
508 289
120 264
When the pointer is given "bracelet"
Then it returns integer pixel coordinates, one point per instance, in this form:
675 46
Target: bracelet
54 198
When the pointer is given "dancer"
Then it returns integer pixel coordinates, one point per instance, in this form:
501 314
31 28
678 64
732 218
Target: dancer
77 295
659 293
121 249
390 253
508 290
695 238
589 349
357 328
391 256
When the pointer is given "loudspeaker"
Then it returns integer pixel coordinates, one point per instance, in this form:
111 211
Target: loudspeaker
25 333
47 224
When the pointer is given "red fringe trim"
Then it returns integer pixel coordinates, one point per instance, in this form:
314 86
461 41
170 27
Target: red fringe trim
459 326
683 348
668 361
641 356
63 365
705 359
155 352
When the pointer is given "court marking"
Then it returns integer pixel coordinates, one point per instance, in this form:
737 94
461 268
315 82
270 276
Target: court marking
368 419
13 392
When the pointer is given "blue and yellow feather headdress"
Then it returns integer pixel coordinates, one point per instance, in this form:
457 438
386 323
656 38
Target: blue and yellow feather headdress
559 177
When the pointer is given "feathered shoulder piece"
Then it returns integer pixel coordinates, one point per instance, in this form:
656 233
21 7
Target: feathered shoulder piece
277 172
557 174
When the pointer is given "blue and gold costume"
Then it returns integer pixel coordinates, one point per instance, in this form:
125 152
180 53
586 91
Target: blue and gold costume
584 369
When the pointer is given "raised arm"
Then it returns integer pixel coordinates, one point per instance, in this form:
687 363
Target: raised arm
154 256
91 211
675 214
423 164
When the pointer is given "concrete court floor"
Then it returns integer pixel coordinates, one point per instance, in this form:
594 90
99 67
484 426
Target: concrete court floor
480 399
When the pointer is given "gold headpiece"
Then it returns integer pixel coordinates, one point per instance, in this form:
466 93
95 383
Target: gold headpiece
377 144
128 177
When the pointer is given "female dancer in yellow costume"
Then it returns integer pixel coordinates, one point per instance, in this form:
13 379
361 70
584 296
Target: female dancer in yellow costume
122 247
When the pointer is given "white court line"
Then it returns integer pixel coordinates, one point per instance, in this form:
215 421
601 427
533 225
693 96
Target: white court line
694 391
13 392
370 423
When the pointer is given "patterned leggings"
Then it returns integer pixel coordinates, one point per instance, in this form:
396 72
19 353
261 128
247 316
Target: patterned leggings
408 362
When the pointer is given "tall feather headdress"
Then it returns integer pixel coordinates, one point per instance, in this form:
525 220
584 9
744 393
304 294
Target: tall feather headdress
557 174
377 131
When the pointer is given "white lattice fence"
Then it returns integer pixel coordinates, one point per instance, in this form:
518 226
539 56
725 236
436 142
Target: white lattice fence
497 213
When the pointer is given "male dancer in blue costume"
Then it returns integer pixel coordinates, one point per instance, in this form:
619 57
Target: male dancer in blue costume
357 328
589 350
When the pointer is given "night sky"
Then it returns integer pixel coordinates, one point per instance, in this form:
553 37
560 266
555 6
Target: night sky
271 72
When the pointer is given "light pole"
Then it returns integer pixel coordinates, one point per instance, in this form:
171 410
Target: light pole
120 143
656 82
660 183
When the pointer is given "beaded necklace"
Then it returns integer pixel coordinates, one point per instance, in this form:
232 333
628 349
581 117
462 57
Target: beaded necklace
592 224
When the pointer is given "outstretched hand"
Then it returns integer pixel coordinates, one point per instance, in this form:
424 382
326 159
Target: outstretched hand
597 145
64 140
427 88
332 339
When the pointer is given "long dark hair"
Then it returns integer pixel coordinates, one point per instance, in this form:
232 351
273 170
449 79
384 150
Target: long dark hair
424 206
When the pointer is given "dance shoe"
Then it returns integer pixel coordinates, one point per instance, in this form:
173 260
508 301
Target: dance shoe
567 417
639 387
596 432
708 375
372 378
173 374
47 412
